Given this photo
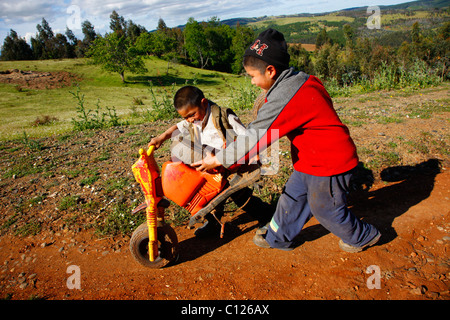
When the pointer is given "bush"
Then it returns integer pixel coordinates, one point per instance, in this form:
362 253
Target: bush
44 120
93 119
243 96
120 221
162 106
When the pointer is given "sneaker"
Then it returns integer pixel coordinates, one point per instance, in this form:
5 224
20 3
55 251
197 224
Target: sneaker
262 230
349 248
260 241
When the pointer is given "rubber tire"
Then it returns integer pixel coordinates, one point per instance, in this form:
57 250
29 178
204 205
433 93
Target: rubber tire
167 245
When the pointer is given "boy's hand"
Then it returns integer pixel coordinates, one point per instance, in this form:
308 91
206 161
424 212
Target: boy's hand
208 163
157 142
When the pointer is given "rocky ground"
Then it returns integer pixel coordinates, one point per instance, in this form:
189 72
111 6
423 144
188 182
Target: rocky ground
38 80
66 201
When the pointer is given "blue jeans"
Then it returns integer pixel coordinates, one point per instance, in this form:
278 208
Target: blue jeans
325 198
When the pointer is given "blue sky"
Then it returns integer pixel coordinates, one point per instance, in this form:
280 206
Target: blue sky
24 15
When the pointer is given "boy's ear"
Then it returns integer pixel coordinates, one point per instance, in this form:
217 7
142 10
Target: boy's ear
271 71
204 103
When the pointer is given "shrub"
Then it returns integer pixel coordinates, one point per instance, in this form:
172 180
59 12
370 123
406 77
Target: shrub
243 96
162 104
44 120
120 221
93 119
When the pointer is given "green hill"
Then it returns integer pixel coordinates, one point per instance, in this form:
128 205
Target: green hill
23 106
396 21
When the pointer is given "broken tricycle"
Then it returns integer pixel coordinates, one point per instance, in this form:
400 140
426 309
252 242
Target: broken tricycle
154 243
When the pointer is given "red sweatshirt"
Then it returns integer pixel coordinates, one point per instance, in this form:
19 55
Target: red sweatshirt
299 107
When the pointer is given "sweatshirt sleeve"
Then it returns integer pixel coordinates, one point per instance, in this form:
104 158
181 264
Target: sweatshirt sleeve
262 131
236 123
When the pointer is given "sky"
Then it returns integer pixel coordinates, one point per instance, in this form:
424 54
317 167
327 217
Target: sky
23 15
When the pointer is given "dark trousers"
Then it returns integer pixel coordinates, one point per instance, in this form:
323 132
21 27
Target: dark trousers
305 196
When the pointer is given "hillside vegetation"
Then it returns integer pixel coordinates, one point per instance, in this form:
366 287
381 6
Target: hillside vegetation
396 22
22 104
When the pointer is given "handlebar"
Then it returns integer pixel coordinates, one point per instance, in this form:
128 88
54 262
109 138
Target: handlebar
149 151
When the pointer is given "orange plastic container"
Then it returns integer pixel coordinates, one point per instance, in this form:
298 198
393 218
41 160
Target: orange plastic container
188 187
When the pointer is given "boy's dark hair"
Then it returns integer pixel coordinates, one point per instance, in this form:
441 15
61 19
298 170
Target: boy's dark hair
188 95
258 64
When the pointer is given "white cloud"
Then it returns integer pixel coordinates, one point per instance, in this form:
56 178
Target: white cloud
28 36
20 11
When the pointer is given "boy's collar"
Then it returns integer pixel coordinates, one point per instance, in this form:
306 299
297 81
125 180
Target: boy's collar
208 111
286 73
206 117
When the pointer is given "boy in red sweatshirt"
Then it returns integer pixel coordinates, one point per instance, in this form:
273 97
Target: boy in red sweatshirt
323 153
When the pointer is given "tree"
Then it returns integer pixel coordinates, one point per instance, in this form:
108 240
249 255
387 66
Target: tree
196 44
89 37
178 37
443 50
349 34
379 57
47 45
60 47
300 58
117 23
41 44
415 33
133 31
115 53
363 53
89 33
71 37
163 42
45 31
15 48
209 43
144 43
322 38
321 61
243 38
219 39
162 26
72 42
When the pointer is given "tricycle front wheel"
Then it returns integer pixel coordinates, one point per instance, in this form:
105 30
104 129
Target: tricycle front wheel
167 246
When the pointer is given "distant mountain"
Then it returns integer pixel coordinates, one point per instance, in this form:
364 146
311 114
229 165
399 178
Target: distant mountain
413 5
420 5
396 22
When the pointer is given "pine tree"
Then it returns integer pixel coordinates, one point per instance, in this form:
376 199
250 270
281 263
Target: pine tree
15 48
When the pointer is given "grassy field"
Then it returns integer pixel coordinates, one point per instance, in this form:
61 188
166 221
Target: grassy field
305 29
134 101
21 106
390 19
334 17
